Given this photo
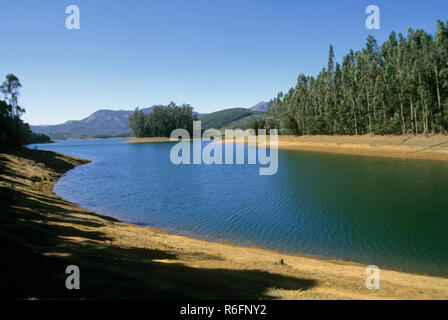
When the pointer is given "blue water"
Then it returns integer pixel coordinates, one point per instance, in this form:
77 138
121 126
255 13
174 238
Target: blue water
387 212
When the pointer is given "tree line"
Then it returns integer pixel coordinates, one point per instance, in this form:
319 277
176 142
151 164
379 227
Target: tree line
13 131
400 87
162 120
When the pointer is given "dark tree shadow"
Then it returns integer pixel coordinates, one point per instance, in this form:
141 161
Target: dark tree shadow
39 238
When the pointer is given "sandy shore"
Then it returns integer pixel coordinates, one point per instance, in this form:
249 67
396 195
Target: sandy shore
41 234
148 140
153 140
404 147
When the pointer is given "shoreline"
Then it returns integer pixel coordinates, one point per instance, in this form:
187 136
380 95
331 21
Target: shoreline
153 140
148 140
145 262
411 147
401 147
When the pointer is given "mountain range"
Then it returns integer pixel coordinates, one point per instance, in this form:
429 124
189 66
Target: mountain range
106 122
260 106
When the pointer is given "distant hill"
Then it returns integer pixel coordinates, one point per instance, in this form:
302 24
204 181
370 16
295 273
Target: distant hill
261 106
103 123
230 118
99 124
243 123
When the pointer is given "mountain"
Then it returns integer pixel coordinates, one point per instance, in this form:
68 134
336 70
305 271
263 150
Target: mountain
100 123
115 122
230 119
261 106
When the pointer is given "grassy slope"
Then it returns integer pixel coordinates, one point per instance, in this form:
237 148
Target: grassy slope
230 118
243 123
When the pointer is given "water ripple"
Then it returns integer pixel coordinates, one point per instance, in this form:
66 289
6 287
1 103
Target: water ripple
375 211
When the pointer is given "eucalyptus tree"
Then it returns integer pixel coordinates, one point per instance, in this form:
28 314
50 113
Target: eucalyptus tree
10 89
162 120
399 87
136 123
441 71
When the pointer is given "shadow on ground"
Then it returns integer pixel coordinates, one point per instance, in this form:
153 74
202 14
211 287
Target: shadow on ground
35 250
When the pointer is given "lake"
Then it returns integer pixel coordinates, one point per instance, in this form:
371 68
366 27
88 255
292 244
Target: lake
388 212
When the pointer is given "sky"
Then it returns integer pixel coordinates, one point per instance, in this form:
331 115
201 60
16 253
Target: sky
212 54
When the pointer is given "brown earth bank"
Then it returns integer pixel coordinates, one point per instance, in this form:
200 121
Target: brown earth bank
153 140
41 234
149 140
434 147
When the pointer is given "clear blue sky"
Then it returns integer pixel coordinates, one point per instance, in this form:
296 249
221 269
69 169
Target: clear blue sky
213 54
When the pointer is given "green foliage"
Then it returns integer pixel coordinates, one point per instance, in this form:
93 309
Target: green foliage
10 89
39 138
398 88
162 120
244 122
106 136
66 135
137 123
258 124
230 118
13 131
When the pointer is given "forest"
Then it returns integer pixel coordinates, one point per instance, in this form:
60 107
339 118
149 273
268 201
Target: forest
162 120
400 87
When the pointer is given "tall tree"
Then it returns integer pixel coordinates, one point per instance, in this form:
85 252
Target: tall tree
10 89
398 88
